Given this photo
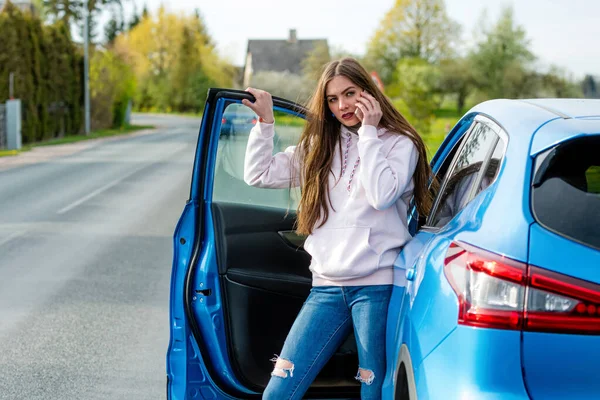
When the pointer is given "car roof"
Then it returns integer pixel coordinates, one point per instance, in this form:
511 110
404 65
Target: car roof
569 108
546 121
239 109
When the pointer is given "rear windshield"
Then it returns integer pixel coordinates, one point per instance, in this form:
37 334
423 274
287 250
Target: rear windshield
566 190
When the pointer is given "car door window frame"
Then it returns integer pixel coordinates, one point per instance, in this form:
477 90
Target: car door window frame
501 135
224 99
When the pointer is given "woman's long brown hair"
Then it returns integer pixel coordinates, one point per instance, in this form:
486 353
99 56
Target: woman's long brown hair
322 133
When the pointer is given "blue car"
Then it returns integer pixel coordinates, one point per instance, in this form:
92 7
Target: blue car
237 120
497 296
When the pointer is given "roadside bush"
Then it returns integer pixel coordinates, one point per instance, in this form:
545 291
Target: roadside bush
47 69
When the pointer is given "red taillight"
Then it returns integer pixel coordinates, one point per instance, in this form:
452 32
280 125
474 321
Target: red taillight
497 292
574 304
223 120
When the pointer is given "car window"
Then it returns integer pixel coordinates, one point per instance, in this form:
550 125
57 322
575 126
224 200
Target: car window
458 185
439 178
566 192
228 184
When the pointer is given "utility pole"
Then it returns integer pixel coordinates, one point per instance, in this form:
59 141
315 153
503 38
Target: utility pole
86 65
11 86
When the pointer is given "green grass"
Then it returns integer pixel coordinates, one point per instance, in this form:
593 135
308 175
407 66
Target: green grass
8 153
94 135
168 112
439 130
283 119
177 114
593 179
78 138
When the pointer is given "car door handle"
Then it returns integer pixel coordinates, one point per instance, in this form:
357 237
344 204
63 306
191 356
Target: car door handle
410 274
292 238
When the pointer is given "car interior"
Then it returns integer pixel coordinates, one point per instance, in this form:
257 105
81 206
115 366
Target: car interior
265 274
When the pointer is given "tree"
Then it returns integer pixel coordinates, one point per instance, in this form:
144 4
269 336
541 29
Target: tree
417 89
312 65
66 11
113 28
39 8
284 84
112 85
72 12
501 58
47 74
199 27
411 29
589 87
456 78
557 83
188 80
174 62
135 18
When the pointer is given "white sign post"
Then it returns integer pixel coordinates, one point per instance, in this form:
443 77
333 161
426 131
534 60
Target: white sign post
13 124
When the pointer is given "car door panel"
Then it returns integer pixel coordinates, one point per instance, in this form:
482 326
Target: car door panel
247 230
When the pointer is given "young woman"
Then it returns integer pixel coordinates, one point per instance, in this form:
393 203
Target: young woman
358 163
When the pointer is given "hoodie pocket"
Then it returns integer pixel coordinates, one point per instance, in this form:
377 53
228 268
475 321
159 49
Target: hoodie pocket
342 253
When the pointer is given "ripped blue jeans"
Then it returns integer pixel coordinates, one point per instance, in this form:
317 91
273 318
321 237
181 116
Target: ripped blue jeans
325 320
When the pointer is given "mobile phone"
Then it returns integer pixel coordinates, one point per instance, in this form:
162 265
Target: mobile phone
358 114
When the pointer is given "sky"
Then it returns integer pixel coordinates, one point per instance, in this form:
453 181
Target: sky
562 32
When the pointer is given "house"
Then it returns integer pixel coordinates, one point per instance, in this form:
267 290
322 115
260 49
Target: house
278 55
23 5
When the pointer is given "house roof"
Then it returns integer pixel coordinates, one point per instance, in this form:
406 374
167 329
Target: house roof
281 54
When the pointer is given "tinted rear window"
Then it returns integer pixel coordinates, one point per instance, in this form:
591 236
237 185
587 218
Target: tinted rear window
566 190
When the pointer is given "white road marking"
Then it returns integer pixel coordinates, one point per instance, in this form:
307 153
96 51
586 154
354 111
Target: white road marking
109 185
12 236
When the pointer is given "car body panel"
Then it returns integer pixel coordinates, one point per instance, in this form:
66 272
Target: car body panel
187 370
561 366
561 130
498 231
570 369
557 253
425 312
473 363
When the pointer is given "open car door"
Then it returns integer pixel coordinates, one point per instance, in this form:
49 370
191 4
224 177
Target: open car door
240 274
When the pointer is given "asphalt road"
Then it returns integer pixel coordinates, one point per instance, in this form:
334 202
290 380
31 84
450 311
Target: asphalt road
85 260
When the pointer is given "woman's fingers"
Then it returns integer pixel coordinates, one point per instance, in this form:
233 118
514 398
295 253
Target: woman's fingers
370 108
363 110
364 102
372 100
249 104
263 104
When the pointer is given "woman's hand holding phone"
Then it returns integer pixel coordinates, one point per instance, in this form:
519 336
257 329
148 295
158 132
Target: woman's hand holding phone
368 109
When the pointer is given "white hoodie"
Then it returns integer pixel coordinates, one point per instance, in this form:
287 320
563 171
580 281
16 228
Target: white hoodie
367 225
